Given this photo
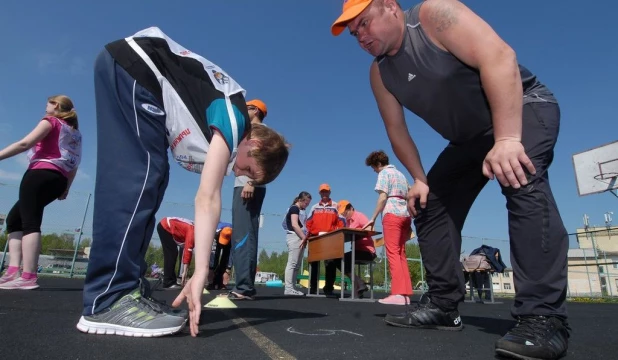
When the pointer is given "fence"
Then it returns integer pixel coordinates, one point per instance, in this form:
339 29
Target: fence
67 234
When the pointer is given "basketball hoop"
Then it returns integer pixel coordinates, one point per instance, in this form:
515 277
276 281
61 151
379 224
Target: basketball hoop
606 176
596 170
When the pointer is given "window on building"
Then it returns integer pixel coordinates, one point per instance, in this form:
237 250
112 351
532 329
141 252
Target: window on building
507 274
507 286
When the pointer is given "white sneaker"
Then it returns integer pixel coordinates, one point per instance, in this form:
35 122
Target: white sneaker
293 292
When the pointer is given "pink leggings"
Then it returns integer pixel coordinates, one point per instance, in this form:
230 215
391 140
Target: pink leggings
396 233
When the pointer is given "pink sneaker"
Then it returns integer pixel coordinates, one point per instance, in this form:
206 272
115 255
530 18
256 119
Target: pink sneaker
6 278
394 300
20 284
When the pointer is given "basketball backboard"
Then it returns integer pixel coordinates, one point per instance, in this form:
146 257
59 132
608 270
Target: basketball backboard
596 170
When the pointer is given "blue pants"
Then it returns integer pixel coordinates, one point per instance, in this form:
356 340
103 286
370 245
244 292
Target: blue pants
245 230
132 175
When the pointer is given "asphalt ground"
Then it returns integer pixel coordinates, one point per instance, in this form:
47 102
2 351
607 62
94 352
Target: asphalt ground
40 324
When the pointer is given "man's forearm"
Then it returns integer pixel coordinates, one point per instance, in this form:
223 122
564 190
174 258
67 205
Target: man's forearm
406 151
501 81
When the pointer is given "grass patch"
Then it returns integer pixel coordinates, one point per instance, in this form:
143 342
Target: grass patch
595 300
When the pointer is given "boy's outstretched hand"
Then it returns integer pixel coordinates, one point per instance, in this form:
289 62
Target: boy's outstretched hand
192 292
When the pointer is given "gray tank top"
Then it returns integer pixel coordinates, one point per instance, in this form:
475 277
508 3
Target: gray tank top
441 89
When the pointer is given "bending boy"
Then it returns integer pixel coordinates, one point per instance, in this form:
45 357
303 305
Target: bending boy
151 94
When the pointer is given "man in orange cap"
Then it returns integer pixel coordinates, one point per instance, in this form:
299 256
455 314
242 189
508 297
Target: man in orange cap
246 207
322 218
448 66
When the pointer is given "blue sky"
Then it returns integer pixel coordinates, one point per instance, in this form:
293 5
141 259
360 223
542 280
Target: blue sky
316 87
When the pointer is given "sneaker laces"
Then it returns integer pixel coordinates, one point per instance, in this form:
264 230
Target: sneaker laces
146 290
532 327
422 303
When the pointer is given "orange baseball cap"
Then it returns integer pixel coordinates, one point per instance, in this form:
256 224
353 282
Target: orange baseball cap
324 187
341 204
225 236
259 104
351 9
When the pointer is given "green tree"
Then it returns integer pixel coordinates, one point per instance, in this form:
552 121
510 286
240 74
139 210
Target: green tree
84 243
413 251
54 241
154 255
3 238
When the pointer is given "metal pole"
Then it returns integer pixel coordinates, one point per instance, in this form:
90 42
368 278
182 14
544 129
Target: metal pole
79 238
585 258
596 259
386 287
422 271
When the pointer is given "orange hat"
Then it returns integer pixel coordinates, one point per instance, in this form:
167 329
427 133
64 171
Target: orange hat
351 9
324 187
259 104
341 204
225 236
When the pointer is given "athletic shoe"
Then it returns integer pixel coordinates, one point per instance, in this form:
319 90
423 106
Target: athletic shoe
236 296
146 290
174 286
535 337
394 300
6 277
132 315
293 292
426 316
20 284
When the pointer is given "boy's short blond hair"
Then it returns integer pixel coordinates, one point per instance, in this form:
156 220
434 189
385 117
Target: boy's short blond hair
270 155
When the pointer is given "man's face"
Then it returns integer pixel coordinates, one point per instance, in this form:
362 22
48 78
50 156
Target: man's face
372 29
325 194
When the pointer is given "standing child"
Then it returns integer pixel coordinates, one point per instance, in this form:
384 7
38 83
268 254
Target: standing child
294 226
246 207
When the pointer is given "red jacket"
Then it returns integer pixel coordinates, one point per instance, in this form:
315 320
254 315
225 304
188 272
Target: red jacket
324 217
183 232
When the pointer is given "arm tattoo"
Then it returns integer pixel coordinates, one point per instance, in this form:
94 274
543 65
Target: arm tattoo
443 16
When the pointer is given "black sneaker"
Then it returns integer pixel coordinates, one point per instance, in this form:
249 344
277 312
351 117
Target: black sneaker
535 337
426 316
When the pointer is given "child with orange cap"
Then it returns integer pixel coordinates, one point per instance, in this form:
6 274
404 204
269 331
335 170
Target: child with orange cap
246 207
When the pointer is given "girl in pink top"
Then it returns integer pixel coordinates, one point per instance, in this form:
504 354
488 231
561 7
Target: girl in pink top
54 151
